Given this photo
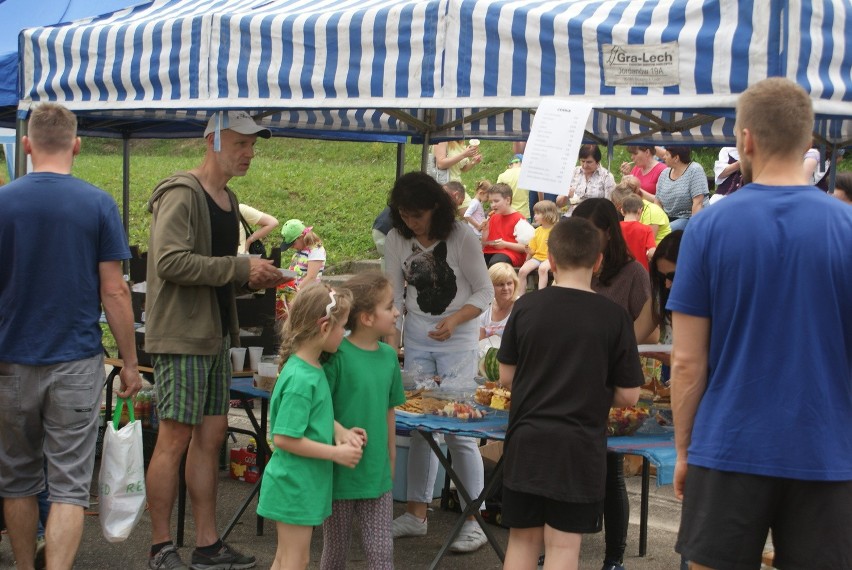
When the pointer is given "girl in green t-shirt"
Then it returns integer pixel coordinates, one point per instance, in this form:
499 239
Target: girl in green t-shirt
366 385
296 486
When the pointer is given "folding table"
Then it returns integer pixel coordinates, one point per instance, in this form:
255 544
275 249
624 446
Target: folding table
492 427
656 449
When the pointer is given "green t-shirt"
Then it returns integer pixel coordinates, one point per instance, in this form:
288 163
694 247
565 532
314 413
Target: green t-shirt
365 384
296 489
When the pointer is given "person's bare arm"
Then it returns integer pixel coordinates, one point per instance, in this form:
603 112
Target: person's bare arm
689 380
625 397
266 224
507 375
514 246
444 162
115 297
313 270
347 455
643 327
809 166
697 204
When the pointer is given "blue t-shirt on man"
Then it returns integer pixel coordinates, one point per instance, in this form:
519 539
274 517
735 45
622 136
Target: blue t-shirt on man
54 230
772 267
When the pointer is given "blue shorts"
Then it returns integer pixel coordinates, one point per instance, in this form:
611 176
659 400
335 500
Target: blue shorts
50 414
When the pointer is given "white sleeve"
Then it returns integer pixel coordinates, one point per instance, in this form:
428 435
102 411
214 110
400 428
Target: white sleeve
720 165
471 208
473 268
317 254
394 244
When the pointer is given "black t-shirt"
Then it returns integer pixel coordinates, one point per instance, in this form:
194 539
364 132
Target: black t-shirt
571 349
225 239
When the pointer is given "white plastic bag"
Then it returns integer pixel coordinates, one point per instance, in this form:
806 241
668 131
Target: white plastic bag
122 476
440 176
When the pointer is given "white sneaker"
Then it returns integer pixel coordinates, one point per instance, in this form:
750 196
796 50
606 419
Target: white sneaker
409 525
470 538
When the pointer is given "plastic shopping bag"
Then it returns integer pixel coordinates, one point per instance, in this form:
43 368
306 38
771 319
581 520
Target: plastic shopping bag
441 176
122 476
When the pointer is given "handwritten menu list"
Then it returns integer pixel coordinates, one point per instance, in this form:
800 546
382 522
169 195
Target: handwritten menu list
553 144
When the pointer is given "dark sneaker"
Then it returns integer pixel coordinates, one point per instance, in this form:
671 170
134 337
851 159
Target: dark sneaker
167 559
226 559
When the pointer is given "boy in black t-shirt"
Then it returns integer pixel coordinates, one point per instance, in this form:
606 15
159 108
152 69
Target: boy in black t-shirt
568 355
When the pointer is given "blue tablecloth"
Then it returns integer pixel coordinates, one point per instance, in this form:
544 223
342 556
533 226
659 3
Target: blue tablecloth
492 426
659 448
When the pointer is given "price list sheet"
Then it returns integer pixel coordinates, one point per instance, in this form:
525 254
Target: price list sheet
553 144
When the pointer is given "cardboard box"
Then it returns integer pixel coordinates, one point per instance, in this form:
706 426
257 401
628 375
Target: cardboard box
400 480
244 465
493 450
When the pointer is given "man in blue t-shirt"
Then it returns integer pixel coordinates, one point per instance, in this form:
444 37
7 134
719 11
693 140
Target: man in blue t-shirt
762 356
61 246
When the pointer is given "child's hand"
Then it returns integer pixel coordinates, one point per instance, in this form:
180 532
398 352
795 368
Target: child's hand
347 455
355 437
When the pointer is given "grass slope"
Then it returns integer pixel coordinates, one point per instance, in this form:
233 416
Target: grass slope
338 187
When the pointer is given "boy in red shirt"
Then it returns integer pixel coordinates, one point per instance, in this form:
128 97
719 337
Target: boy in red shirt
639 237
498 232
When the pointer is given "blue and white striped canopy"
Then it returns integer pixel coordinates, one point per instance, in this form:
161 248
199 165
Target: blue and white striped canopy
439 68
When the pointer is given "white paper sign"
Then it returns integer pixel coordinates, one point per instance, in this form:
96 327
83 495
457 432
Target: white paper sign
553 144
641 65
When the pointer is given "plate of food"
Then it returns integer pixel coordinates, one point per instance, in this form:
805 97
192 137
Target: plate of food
460 411
491 395
418 405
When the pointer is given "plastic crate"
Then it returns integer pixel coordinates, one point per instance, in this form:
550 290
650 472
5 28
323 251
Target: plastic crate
400 480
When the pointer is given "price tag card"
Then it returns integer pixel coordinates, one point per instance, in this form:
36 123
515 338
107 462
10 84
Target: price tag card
553 144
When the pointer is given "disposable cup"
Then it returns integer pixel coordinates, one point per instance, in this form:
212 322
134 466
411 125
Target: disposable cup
255 353
238 358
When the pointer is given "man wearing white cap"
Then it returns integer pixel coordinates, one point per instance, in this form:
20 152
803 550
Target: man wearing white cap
193 276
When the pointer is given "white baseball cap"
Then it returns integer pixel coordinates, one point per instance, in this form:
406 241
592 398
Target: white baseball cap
237 121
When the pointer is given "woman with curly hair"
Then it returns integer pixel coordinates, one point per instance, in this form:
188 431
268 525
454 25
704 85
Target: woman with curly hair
441 285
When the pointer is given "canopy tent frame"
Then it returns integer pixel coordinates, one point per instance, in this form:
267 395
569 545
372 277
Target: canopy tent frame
433 70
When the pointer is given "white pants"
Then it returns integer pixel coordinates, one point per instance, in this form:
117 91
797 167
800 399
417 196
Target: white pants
422 463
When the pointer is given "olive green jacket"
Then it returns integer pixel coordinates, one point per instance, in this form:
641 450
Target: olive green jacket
182 313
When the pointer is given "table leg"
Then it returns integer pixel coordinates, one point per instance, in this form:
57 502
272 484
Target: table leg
181 518
473 505
233 522
643 506
263 451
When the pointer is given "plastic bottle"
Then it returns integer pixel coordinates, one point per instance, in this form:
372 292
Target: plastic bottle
155 419
145 415
252 445
138 407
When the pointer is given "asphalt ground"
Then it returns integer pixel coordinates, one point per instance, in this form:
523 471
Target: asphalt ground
409 553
